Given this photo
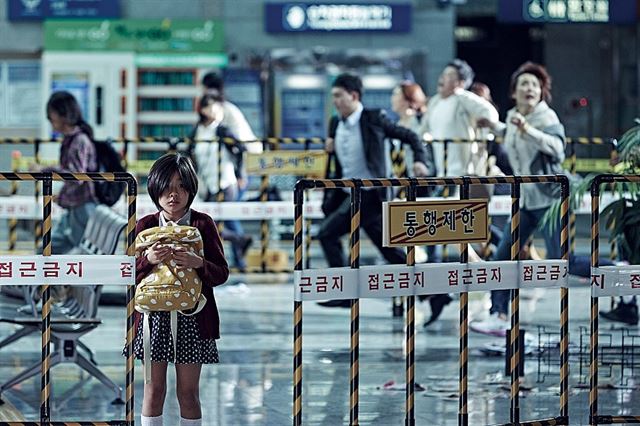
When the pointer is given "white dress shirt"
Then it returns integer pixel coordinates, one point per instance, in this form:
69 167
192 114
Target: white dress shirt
350 148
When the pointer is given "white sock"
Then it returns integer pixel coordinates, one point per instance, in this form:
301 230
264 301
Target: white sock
151 421
190 422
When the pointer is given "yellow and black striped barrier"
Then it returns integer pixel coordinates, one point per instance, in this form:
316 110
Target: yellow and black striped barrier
514 332
569 140
594 417
463 356
174 140
565 250
283 140
399 166
298 199
410 334
273 143
445 190
356 186
37 225
354 368
264 224
13 222
45 388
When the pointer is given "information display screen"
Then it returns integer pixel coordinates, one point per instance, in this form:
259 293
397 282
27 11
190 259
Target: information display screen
303 113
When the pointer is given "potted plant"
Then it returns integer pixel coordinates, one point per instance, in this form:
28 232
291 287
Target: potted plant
622 216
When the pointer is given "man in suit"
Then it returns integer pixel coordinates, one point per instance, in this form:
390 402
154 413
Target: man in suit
357 140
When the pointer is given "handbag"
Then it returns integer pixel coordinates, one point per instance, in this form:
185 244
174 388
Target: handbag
545 164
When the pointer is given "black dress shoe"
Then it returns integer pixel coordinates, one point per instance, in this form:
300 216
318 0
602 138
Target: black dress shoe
437 302
336 304
245 244
624 312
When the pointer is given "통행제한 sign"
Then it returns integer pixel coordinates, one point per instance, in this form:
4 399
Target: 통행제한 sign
407 223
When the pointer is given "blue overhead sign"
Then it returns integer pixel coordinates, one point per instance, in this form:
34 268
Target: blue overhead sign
344 17
38 10
568 11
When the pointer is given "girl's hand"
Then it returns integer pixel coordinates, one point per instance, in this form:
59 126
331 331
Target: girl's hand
187 259
158 253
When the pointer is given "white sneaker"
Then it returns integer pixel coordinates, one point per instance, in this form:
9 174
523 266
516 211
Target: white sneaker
499 347
493 326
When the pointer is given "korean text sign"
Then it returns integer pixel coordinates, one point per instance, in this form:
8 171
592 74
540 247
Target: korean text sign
306 163
67 270
384 281
407 223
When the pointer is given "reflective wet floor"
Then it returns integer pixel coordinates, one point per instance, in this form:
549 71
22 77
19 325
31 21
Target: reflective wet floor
252 383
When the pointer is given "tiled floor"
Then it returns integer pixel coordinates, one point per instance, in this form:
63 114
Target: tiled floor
252 384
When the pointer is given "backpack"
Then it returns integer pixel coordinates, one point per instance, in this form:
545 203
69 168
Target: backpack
167 287
108 160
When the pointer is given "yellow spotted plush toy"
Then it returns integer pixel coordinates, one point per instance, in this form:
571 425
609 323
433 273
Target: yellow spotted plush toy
168 287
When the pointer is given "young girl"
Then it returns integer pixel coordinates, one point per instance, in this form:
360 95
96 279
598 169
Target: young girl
172 186
77 154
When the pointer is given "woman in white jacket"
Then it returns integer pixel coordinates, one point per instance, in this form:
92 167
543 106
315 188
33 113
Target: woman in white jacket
532 134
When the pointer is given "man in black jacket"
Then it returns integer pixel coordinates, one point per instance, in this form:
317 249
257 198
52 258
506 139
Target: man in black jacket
357 141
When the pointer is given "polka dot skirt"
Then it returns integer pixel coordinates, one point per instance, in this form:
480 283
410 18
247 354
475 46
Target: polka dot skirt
191 348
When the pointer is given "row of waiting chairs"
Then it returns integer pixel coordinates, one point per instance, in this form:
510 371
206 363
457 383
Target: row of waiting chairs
77 313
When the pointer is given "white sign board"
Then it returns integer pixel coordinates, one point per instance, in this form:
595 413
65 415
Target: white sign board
24 207
67 270
615 281
386 281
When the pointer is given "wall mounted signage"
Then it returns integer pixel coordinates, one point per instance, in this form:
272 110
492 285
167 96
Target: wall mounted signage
568 11
328 17
135 35
38 10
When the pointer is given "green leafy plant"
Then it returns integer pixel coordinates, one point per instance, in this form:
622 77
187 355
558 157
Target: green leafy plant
622 216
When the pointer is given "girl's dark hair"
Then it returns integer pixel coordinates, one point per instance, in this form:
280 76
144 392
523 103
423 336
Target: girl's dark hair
541 74
205 101
163 170
414 95
65 105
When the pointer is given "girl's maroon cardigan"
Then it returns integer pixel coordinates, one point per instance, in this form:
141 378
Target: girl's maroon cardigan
214 272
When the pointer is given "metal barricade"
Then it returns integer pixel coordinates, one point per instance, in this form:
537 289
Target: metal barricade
300 282
605 282
397 156
47 181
